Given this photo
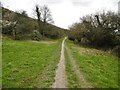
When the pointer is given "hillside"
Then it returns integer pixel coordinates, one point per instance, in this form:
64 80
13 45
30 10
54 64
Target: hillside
14 21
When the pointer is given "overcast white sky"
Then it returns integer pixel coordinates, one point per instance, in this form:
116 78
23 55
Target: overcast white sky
64 12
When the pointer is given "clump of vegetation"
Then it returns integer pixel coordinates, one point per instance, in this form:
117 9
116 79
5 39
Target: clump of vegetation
100 30
19 26
116 50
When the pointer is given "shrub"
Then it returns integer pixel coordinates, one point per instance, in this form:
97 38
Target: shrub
36 35
116 50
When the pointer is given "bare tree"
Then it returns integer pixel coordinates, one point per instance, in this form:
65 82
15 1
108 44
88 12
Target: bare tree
37 10
43 15
24 13
98 20
46 15
38 14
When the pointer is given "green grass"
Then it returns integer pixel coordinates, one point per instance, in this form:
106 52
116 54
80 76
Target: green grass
29 64
71 76
0 62
99 68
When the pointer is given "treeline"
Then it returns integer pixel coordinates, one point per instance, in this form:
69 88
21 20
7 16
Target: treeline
100 30
19 26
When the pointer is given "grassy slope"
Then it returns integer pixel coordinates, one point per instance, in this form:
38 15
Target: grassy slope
99 68
25 64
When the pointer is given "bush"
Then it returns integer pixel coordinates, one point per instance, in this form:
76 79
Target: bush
98 30
36 35
116 50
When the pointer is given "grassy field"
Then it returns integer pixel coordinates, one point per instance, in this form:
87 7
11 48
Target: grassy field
99 68
71 76
29 64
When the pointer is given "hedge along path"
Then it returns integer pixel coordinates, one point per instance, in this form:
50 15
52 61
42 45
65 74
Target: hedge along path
60 78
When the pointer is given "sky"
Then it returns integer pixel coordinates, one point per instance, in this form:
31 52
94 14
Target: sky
64 12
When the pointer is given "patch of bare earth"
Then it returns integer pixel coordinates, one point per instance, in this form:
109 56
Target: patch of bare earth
44 42
83 82
60 78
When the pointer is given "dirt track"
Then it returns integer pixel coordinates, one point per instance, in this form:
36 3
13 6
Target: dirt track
60 78
82 81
